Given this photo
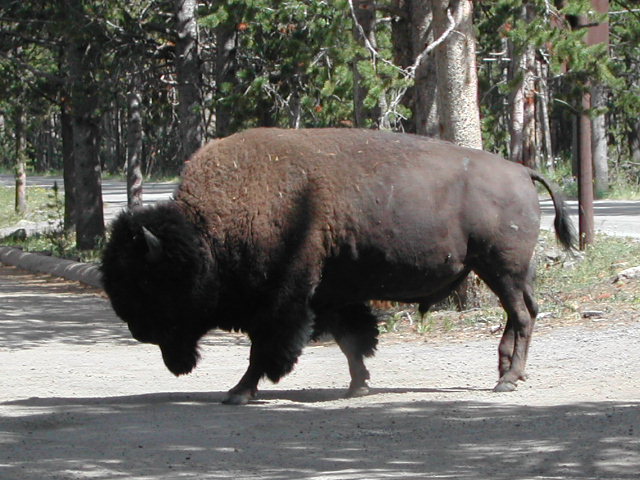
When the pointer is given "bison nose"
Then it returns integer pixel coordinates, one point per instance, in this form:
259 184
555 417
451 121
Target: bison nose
140 334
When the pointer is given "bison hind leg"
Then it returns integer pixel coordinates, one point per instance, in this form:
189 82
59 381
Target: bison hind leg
354 328
515 291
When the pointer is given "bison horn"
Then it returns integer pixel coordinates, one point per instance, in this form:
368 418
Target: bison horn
154 245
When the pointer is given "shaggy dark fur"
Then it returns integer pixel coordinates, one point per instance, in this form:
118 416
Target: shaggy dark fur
286 234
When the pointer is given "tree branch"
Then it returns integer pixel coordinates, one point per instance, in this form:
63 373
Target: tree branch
408 72
50 77
453 23
367 43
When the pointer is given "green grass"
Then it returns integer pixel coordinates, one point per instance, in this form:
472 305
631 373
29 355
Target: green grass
565 286
623 189
44 206
569 284
600 261
37 209
55 242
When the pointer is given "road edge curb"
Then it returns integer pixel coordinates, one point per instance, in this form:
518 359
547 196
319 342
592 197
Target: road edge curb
86 273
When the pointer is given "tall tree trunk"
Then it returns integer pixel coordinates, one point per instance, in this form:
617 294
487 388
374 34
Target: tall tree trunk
599 34
21 162
599 143
189 78
68 166
529 144
633 140
82 57
411 33
226 36
543 114
522 73
425 91
457 77
134 149
294 110
359 94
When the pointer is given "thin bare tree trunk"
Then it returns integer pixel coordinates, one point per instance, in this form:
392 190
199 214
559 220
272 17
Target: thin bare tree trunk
522 100
633 140
543 115
599 34
68 166
21 162
516 110
529 149
599 143
134 149
294 110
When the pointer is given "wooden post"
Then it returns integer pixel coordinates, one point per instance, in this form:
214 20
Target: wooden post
595 34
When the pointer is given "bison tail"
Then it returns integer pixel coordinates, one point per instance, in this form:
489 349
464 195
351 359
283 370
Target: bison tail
565 230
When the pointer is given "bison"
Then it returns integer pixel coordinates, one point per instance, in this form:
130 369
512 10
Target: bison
287 234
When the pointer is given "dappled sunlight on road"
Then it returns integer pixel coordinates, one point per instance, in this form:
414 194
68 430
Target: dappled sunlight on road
37 310
146 436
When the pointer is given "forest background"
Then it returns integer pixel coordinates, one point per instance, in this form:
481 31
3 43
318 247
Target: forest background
134 87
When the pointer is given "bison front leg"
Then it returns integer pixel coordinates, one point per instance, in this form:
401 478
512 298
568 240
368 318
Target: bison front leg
275 348
247 387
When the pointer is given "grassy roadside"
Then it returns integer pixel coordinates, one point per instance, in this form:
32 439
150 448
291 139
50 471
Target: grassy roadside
569 290
44 206
38 210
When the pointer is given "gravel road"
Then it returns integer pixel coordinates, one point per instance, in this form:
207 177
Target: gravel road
81 400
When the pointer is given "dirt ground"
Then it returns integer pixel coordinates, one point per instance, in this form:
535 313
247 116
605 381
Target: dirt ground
79 399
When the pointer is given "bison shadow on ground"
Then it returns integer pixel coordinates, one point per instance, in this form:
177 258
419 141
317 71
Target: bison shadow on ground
310 435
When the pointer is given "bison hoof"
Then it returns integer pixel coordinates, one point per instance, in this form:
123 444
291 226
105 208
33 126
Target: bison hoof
237 398
357 392
504 386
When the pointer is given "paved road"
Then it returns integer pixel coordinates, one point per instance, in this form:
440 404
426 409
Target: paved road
613 217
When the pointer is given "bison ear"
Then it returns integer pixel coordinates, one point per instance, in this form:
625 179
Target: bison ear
154 246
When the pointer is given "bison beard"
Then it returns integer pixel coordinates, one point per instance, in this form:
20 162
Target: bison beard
180 359
286 235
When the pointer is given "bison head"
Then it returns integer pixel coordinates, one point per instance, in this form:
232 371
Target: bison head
155 270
